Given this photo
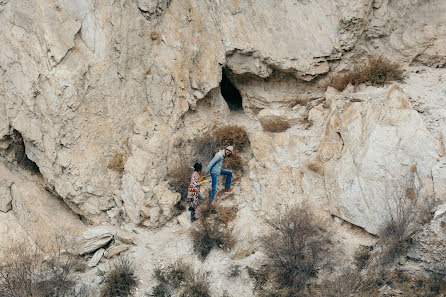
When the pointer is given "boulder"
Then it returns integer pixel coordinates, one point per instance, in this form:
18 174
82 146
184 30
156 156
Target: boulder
96 258
93 239
125 237
373 152
115 251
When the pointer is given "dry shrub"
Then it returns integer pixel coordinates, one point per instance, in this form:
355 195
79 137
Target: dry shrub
226 214
294 249
117 161
395 234
209 234
427 210
306 123
121 280
205 147
234 271
316 167
28 272
179 178
276 126
234 162
343 286
180 279
232 135
377 70
362 256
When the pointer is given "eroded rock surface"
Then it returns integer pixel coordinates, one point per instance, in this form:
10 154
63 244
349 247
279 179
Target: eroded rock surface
368 152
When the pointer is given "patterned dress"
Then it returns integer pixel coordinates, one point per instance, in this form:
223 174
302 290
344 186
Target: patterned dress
194 189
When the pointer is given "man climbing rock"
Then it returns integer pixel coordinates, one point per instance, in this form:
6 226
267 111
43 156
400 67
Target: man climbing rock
214 168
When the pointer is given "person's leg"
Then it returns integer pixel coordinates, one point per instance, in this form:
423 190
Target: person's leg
228 174
214 187
192 213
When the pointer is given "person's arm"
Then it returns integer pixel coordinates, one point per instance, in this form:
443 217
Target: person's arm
216 158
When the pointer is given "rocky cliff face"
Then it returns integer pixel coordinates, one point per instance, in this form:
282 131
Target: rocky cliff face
82 81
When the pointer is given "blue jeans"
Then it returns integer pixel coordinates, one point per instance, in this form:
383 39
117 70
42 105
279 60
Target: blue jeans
214 177
192 212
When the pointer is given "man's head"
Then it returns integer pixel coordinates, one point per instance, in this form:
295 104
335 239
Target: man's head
229 150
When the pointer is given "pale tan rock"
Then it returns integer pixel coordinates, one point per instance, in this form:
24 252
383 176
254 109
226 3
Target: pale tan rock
5 195
125 237
96 258
379 144
12 233
93 239
439 180
115 251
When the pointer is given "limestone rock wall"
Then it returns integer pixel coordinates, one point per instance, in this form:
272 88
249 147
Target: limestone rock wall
82 80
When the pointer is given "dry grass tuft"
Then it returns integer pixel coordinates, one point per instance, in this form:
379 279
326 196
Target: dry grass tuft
234 162
117 161
179 279
277 126
316 167
179 178
377 70
232 135
226 214
362 257
306 122
121 280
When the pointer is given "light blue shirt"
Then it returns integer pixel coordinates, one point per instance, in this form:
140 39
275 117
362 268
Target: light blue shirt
214 166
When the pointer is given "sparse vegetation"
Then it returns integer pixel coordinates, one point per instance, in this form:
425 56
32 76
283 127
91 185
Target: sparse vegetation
27 272
316 167
208 235
234 271
276 126
179 177
395 234
234 163
362 257
232 135
377 70
117 161
295 248
121 280
180 279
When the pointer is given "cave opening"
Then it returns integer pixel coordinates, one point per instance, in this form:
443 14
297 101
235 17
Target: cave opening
230 93
17 146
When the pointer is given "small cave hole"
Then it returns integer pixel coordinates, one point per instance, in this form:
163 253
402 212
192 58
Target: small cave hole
230 93
17 146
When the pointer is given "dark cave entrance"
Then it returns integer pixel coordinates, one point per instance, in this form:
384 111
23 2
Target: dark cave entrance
230 93
17 146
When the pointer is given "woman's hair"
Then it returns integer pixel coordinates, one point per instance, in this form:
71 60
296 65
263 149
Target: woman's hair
197 166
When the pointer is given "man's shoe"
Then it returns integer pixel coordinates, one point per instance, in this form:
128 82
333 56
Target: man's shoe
193 220
228 190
